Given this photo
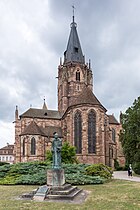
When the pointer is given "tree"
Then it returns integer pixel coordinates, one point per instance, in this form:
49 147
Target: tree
130 135
68 154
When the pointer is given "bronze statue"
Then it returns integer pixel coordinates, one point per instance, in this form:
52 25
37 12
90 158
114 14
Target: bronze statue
56 152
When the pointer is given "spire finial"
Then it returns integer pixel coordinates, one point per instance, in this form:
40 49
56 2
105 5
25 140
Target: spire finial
44 105
73 8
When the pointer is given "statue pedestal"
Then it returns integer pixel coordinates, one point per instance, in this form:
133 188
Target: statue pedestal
55 177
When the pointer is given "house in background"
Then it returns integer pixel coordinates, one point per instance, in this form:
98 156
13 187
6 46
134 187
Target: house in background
6 154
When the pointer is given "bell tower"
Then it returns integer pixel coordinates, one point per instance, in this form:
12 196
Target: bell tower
73 74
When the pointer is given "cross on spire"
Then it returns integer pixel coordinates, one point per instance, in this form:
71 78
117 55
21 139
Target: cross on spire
73 9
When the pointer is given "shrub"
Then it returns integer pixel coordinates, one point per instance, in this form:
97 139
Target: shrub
4 163
49 156
99 170
118 167
75 168
81 179
35 173
32 179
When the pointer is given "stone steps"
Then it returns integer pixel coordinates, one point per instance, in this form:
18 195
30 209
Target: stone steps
66 194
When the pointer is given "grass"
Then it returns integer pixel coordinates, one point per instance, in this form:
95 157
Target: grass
116 195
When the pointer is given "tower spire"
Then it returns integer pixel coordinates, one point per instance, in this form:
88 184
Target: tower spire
44 104
73 52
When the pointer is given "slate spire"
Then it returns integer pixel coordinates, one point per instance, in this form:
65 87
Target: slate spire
73 52
44 105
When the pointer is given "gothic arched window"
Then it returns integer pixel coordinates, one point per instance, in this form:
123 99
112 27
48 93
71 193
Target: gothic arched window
23 148
77 76
78 132
113 134
33 146
92 132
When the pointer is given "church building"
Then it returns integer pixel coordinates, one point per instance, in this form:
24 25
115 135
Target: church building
81 119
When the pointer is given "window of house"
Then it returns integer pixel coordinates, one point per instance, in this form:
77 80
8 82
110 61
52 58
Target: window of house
6 158
0 158
113 134
77 76
33 146
92 132
78 132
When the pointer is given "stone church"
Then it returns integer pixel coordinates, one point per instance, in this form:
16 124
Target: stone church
81 119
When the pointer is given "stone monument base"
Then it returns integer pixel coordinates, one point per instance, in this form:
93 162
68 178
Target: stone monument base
55 177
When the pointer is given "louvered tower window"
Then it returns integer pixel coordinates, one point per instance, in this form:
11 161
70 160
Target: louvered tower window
23 148
78 132
92 132
77 76
33 146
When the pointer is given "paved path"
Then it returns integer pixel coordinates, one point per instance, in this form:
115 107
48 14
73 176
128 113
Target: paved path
123 175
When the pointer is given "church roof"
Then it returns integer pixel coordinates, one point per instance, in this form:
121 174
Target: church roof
34 129
87 97
41 113
73 52
112 120
49 131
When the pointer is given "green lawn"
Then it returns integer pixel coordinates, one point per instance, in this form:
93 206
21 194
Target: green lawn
115 195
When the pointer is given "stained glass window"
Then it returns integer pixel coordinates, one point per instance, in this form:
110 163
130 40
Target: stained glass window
23 148
33 146
78 132
113 134
92 132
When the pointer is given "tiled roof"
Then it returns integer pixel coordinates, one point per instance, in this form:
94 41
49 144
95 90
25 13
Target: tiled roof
49 131
112 120
34 129
41 113
8 147
87 97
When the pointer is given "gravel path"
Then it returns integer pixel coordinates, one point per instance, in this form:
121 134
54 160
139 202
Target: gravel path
123 175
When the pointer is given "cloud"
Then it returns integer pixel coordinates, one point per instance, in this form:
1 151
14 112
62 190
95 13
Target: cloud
34 34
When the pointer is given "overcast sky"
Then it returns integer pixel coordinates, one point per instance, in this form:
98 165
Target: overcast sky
34 35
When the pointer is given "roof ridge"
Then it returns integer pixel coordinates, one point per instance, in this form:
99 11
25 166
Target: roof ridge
33 129
87 97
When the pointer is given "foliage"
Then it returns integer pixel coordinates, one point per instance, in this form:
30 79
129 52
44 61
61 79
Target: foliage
130 136
4 163
136 167
118 167
99 170
75 168
49 156
82 179
136 164
68 154
34 173
116 164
